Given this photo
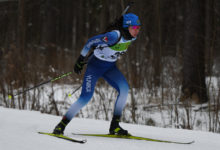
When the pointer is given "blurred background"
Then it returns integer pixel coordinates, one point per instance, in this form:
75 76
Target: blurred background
172 68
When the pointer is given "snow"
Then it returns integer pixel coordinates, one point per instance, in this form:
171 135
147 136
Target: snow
19 129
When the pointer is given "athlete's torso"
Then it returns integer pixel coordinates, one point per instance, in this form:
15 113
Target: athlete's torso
111 53
109 46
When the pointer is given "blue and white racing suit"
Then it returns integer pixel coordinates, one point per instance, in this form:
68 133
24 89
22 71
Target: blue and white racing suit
102 64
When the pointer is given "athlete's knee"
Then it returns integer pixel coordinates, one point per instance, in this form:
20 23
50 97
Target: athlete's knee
85 98
124 88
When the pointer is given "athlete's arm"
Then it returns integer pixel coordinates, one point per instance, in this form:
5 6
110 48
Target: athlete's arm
108 38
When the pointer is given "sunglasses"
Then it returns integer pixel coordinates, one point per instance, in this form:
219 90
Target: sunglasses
135 27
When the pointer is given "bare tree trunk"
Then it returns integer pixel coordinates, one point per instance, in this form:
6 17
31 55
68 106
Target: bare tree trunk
194 86
157 45
210 35
21 41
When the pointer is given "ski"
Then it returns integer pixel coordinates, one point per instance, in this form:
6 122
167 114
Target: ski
134 138
63 137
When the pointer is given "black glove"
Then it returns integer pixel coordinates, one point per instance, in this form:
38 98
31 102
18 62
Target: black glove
79 64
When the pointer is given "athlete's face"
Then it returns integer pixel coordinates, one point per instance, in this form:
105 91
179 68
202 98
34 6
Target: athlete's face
134 30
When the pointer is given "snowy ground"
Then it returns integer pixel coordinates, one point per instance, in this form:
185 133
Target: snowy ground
19 129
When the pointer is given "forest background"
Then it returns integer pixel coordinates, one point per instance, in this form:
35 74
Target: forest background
174 63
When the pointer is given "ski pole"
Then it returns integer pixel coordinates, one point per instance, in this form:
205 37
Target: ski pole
70 94
51 80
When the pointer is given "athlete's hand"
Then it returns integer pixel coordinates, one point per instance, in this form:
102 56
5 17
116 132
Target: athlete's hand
79 64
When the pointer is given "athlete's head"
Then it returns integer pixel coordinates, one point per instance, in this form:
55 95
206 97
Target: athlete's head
130 19
132 23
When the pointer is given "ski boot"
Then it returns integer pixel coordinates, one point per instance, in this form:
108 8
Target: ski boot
61 126
115 128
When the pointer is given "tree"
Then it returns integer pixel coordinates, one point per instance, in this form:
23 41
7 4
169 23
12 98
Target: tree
194 86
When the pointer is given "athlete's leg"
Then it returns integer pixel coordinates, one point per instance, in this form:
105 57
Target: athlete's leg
117 80
90 78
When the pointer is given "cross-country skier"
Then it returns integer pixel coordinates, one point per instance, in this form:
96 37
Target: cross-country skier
102 64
